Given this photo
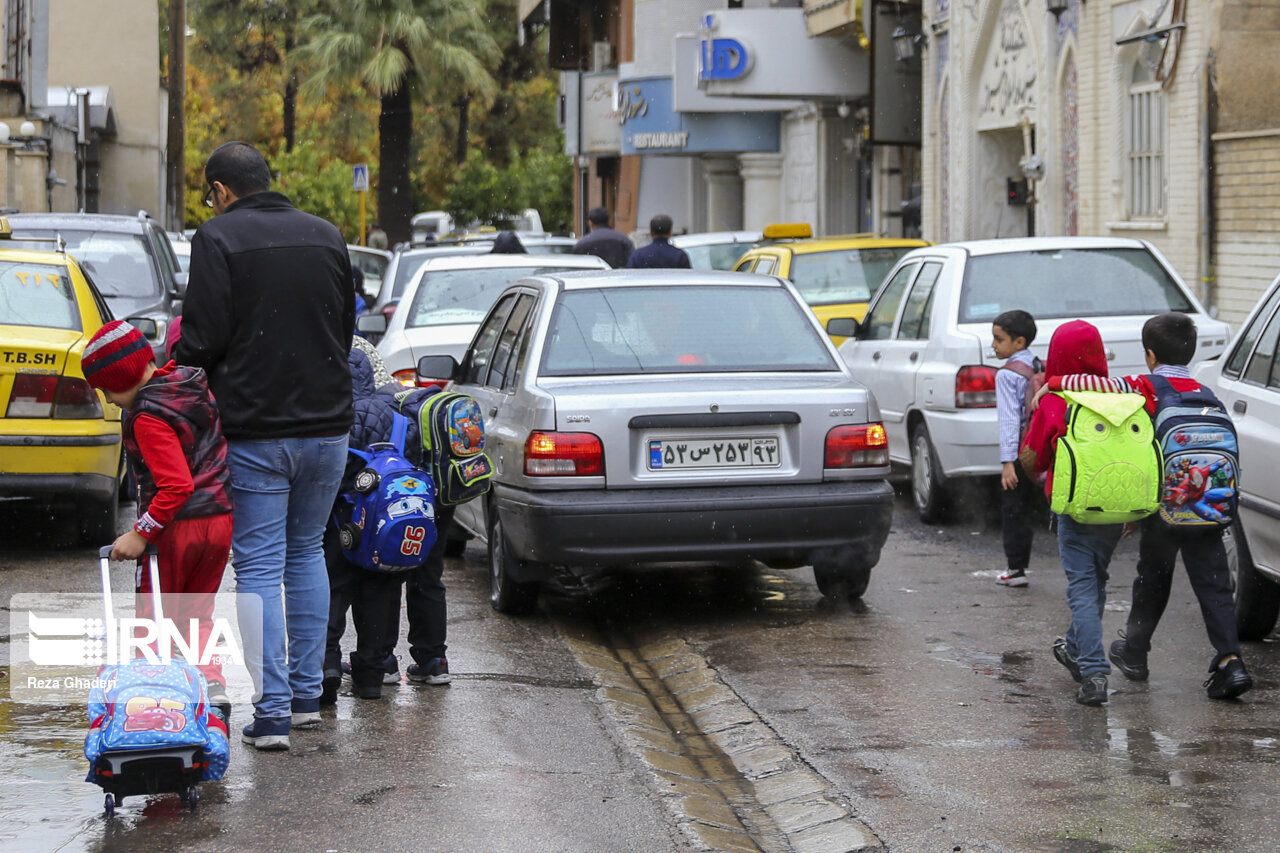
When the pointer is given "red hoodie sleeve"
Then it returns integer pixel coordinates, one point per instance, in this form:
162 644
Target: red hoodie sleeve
1041 444
163 456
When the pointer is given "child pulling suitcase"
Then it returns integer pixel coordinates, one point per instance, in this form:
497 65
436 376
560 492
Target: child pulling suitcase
151 729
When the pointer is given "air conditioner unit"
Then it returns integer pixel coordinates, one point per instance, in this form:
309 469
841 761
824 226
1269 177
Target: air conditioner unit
601 56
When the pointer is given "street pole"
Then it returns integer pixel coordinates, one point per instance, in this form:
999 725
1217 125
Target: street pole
363 230
175 173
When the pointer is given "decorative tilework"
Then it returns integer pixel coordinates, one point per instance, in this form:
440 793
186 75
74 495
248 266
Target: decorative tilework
1070 150
1068 23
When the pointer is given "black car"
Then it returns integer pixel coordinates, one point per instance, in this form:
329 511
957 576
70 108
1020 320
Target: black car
128 258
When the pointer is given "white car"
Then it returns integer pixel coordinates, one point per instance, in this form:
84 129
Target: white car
1247 380
447 298
924 347
716 250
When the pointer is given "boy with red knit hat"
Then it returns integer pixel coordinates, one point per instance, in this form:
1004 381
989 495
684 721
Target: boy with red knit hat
173 436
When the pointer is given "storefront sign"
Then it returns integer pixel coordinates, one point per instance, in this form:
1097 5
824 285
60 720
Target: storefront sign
650 124
691 97
600 114
767 53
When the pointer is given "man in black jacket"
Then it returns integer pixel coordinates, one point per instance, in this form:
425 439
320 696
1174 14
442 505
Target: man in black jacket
659 254
269 314
603 242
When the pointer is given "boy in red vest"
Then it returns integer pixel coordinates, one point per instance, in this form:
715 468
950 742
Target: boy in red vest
173 436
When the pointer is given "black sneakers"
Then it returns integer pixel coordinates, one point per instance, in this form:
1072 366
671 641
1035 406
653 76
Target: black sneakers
1132 663
1093 691
435 672
1064 657
1228 680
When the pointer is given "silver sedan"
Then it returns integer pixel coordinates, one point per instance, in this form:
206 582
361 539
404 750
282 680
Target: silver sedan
646 418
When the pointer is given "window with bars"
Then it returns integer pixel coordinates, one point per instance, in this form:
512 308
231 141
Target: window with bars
1146 144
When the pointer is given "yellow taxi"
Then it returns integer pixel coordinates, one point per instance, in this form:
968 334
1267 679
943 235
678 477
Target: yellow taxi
837 276
59 438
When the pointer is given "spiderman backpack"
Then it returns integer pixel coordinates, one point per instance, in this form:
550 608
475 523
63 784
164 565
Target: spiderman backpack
1199 460
387 521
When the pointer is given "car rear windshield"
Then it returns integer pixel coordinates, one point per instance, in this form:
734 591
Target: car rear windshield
685 329
716 256
408 265
37 295
448 297
119 264
846 275
1069 283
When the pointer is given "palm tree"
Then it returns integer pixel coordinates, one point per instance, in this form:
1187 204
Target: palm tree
398 48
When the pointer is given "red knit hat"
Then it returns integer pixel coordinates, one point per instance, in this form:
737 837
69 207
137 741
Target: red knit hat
116 357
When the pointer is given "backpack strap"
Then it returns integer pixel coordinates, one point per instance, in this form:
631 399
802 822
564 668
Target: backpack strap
399 429
1021 368
1166 394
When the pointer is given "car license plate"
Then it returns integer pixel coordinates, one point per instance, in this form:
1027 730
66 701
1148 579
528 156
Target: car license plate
739 452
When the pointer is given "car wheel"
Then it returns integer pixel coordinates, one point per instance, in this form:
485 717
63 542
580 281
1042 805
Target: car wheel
98 519
1257 597
835 579
506 594
927 489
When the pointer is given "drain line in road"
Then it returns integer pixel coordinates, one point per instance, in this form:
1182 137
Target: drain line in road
733 783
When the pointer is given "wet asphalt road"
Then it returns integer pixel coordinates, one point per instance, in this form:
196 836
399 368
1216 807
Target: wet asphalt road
932 712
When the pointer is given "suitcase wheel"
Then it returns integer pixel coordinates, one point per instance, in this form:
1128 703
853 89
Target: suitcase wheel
366 481
348 536
193 799
109 806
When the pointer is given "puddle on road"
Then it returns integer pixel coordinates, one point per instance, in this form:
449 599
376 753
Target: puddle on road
1011 666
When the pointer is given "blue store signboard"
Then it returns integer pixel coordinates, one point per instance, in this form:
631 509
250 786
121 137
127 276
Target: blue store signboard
650 124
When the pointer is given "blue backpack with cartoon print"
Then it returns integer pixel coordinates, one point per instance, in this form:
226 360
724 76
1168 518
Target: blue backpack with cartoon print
387 521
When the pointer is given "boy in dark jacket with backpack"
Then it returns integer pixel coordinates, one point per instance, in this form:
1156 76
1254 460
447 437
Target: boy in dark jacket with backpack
1011 335
174 439
1169 340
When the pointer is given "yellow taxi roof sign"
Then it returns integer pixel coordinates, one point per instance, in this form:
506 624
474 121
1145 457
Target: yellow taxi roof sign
5 231
787 230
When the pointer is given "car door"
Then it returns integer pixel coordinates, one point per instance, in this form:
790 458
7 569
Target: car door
488 375
865 354
1250 389
904 353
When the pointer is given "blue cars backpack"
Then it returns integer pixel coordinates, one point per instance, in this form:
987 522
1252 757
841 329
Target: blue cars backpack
387 521
1200 459
143 707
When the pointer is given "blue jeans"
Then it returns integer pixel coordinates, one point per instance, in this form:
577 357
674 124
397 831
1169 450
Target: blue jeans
284 491
1085 550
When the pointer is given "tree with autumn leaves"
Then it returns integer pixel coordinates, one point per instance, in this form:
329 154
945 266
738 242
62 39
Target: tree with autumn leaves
406 86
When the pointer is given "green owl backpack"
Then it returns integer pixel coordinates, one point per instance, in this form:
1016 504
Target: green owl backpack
1107 467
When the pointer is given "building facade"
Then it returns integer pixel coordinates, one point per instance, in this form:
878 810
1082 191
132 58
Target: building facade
86 88
1137 118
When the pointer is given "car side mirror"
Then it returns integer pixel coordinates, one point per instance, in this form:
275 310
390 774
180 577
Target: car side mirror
443 367
180 280
149 328
843 327
372 324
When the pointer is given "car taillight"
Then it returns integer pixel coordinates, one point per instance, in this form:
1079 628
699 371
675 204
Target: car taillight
975 387
557 454
861 446
38 396
76 399
409 378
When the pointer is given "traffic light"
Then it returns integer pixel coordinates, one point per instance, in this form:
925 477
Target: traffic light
1017 191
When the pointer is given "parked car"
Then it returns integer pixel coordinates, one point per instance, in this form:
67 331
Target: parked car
1247 380
835 275
59 438
449 296
716 250
373 263
924 347
644 417
406 262
181 250
128 258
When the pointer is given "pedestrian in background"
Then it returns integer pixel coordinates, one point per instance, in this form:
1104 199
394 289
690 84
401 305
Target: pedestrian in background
508 243
660 254
603 242
1011 335
376 238
1085 549
269 314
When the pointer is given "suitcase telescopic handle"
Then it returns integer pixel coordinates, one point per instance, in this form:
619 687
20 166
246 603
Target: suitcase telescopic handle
153 568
